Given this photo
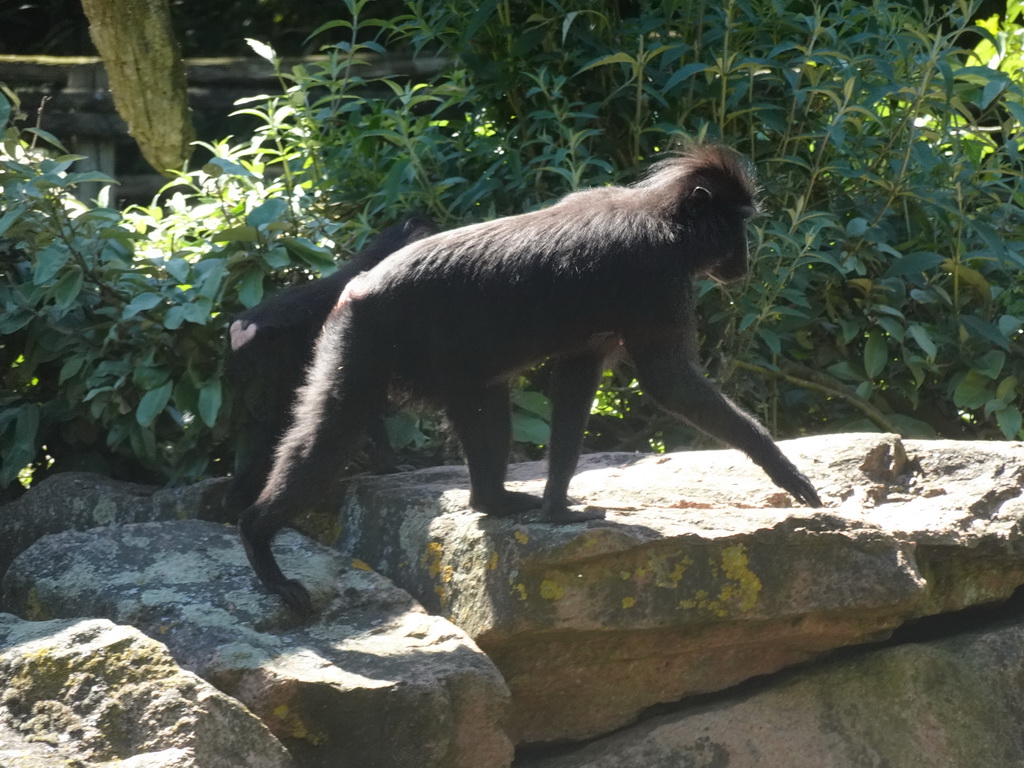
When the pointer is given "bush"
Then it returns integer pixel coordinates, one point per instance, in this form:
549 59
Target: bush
112 335
886 292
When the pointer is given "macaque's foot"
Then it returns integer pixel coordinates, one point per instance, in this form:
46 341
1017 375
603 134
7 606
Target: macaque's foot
794 482
562 514
505 504
295 596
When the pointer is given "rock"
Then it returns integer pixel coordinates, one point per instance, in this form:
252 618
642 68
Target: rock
374 680
947 704
701 576
80 500
92 693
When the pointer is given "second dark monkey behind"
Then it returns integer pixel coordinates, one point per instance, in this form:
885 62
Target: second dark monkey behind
272 345
454 316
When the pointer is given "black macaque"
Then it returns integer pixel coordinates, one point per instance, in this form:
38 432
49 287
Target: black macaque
271 347
454 316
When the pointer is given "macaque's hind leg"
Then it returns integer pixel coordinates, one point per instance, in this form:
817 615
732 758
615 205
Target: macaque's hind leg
256 539
346 387
483 422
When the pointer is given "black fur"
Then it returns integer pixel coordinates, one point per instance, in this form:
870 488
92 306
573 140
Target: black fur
271 347
454 316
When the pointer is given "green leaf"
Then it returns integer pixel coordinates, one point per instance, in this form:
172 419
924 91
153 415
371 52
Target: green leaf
876 354
532 402
250 288
972 391
209 402
856 227
48 263
771 339
141 303
89 176
174 318
914 264
68 287
1008 325
236 235
15 320
219 166
983 329
179 269
403 430
267 212
530 429
212 271
314 255
150 377
479 18
991 92
12 214
328 25
1007 389
70 368
684 73
1009 421
277 257
152 404
923 340
566 24
616 58
47 137
27 426
395 179
912 428
991 363
19 452
198 311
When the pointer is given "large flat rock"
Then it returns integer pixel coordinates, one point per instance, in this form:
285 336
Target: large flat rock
953 703
701 576
373 680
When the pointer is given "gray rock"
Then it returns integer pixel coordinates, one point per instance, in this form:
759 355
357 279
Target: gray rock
92 693
80 500
373 680
701 576
955 703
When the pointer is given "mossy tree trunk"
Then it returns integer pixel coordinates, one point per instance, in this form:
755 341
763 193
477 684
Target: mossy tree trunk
147 76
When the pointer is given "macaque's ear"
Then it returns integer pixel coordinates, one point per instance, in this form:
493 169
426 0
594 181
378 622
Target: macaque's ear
700 196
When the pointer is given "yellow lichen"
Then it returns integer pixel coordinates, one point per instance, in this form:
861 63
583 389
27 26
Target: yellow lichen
551 590
741 590
442 596
291 725
492 564
432 558
748 586
521 589
676 574
521 536
628 602
360 565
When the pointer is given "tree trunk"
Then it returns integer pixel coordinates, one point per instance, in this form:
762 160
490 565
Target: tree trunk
147 76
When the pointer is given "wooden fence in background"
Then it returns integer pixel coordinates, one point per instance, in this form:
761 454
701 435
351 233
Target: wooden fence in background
70 98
